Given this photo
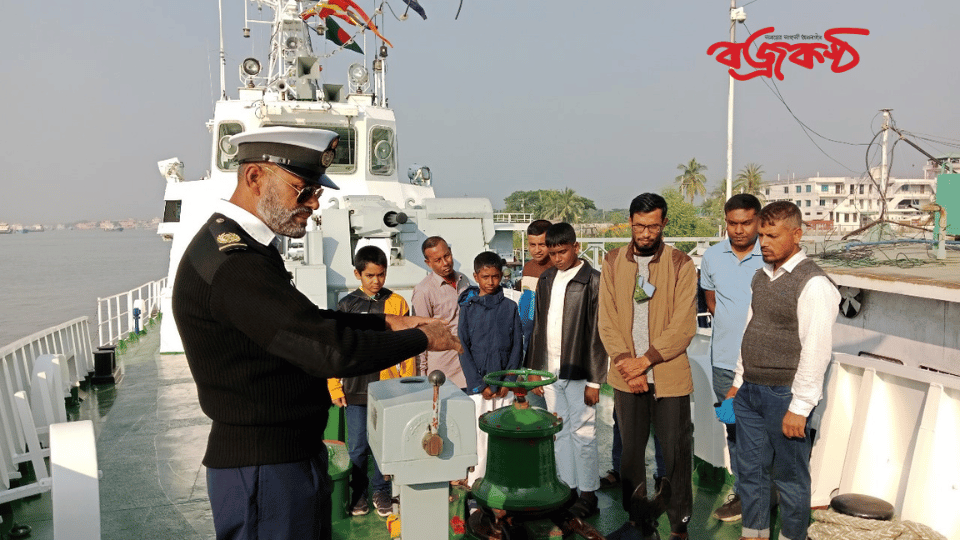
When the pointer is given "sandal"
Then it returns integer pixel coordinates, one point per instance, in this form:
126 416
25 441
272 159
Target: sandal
609 480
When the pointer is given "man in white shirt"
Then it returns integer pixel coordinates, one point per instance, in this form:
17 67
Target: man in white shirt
779 377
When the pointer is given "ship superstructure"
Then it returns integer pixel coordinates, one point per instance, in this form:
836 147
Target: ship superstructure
376 204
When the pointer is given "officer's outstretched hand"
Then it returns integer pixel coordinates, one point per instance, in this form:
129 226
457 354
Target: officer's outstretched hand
439 337
404 322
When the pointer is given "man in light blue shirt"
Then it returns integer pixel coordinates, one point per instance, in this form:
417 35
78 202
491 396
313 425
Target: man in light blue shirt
726 271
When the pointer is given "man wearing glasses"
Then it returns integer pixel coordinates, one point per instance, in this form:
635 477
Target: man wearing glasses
648 316
260 351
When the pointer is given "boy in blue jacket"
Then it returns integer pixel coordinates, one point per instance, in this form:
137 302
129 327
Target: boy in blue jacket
492 340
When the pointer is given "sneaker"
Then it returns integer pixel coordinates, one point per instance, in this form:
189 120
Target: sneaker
730 511
383 502
361 508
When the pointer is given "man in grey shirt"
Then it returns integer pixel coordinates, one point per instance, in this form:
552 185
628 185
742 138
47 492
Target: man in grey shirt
436 296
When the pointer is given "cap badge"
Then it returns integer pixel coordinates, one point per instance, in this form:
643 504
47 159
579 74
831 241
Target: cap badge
227 238
327 158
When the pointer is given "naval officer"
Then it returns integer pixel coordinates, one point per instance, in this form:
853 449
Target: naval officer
260 351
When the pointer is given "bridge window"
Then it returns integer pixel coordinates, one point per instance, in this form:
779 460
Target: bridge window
171 211
226 152
382 151
345 160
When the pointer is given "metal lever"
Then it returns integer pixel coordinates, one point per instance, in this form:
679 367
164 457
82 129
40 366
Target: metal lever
432 443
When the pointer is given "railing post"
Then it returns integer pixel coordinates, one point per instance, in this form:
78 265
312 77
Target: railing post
129 314
100 319
109 320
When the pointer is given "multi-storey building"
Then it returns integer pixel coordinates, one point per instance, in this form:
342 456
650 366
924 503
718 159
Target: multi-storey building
845 203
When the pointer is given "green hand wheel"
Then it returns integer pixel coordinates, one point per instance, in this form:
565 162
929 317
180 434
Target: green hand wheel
496 378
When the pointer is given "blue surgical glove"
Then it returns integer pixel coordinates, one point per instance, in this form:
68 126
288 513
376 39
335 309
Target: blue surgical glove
725 412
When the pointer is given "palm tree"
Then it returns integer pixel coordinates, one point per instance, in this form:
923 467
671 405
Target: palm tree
692 181
750 180
566 205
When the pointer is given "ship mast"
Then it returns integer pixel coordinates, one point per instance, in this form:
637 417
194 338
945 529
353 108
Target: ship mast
223 56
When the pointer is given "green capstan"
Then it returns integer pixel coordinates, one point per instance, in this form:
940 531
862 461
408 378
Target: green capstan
521 471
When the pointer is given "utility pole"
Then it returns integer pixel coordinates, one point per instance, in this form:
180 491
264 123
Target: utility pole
736 15
884 177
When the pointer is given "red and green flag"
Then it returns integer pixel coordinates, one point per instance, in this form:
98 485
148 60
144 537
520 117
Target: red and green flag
340 36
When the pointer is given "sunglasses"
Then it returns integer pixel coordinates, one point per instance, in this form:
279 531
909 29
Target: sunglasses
304 194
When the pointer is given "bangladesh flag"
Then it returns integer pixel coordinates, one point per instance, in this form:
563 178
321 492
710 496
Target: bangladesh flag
339 36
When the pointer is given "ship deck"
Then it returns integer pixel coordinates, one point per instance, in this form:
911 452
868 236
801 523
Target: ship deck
151 436
911 269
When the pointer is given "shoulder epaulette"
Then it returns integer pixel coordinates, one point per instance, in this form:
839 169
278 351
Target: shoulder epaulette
228 242
226 237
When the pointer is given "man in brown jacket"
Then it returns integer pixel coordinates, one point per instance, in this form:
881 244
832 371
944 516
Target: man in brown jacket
647 318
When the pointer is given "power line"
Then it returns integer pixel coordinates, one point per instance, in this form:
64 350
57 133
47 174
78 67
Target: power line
806 129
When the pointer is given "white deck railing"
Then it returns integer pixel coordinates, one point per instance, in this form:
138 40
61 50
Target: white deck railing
594 249
115 313
512 217
62 356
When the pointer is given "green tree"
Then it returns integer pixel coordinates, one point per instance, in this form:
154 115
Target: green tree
617 216
750 180
527 201
712 208
692 181
685 219
566 205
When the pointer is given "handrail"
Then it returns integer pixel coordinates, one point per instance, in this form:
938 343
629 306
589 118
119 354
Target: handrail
70 339
594 249
115 317
512 217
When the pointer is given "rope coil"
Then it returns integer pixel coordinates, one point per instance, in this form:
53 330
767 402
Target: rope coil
830 525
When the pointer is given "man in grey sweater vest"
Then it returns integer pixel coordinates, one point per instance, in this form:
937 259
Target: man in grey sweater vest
779 377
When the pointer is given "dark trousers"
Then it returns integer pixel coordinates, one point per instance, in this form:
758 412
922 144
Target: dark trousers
616 449
670 418
722 381
272 502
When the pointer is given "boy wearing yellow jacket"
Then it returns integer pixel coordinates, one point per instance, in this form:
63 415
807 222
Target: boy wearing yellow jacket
370 267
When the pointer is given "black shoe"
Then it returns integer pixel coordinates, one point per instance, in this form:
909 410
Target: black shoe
730 511
661 498
361 508
609 480
586 505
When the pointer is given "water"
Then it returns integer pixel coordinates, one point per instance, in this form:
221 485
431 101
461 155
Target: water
51 277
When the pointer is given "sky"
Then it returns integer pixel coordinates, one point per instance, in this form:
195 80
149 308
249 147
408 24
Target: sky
604 97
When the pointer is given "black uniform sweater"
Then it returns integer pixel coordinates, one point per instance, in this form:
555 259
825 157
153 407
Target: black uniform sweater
260 351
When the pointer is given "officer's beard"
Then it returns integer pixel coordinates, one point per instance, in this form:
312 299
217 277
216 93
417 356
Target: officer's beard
280 219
